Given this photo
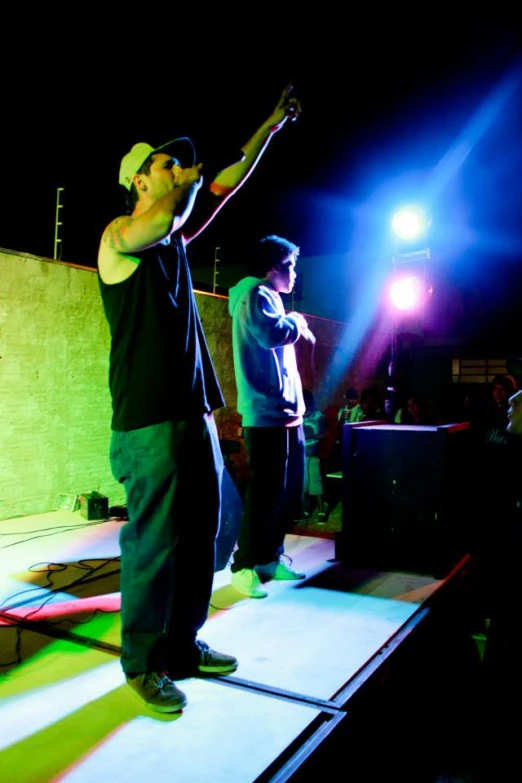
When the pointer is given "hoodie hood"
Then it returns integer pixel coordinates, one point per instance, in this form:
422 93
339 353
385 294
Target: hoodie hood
236 292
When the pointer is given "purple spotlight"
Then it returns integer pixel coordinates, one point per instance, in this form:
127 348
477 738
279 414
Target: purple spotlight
407 293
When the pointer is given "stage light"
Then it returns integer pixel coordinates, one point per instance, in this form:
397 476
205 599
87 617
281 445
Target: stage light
407 293
410 223
409 288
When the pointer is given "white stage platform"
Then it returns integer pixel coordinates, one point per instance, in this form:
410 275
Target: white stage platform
305 653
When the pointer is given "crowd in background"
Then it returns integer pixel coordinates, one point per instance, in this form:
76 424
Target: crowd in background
486 411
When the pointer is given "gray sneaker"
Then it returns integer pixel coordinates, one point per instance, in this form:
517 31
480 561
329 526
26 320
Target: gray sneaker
279 571
213 662
157 691
202 660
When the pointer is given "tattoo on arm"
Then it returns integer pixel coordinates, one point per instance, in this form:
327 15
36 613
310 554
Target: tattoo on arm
115 234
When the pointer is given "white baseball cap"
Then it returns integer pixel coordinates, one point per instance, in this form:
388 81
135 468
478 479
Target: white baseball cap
131 163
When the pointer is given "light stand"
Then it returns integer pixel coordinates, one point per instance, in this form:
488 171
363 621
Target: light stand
391 389
408 291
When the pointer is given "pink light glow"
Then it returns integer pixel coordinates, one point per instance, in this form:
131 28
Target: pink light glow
407 293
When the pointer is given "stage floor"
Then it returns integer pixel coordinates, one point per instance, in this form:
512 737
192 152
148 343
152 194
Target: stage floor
304 651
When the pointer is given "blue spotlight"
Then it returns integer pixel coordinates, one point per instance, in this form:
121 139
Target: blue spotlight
410 223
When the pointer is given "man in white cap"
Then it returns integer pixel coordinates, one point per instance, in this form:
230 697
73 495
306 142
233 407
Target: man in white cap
164 447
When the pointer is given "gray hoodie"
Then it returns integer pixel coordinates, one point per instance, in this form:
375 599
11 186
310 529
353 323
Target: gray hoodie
263 336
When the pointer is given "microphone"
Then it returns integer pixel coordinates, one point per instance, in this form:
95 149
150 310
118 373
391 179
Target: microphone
304 331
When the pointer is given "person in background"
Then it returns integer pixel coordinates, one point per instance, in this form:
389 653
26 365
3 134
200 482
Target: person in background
270 401
369 407
314 430
496 568
351 410
372 404
164 446
489 421
414 412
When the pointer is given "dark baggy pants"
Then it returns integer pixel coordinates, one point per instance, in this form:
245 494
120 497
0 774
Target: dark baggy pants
274 494
172 477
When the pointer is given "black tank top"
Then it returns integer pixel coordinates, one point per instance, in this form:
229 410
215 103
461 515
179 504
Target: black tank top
160 366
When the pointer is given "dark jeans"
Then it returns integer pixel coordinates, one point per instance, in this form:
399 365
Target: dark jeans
274 493
172 477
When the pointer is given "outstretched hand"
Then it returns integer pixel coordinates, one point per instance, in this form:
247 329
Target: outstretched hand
287 107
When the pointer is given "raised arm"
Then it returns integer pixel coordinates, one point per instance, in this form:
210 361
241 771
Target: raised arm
229 180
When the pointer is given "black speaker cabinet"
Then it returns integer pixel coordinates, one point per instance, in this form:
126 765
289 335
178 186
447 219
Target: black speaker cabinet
405 492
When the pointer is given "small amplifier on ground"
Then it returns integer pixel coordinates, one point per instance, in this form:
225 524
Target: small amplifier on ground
64 502
94 506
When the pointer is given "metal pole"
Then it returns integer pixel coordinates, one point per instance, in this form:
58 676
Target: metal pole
392 372
216 271
392 366
57 240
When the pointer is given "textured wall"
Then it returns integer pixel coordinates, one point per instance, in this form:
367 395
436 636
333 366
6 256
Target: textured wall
55 406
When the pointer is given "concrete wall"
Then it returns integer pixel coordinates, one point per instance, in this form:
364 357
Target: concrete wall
54 405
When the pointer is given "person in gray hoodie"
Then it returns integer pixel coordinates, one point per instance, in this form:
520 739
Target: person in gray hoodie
270 401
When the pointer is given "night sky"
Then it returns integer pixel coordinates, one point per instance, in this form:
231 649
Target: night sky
388 114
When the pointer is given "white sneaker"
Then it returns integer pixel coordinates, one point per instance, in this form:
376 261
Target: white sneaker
247 582
279 570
